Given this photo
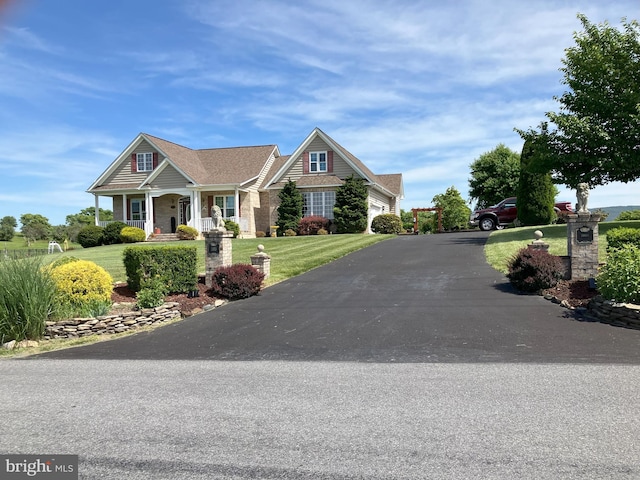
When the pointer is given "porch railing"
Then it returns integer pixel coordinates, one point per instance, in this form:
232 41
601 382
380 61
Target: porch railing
131 223
207 223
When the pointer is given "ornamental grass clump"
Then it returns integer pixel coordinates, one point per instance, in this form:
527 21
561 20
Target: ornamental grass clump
619 279
237 281
534 270
27 299
82 289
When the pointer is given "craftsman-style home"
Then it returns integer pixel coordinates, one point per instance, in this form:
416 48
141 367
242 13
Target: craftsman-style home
157 185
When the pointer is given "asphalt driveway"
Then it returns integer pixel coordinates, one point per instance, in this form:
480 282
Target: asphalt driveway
420 298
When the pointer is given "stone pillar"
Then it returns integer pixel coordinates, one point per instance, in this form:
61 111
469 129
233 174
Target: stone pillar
262 262
538 243
218 252
582 245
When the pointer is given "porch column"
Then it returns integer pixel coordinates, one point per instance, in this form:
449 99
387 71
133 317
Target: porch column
97 208
125 217
236 209
197 218
148 224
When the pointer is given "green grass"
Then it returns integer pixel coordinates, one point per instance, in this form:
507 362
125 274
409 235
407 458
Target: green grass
504 244
290 256
19 243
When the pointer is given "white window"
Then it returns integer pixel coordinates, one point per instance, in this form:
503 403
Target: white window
318 203
144 162
138 209
227 205
317 161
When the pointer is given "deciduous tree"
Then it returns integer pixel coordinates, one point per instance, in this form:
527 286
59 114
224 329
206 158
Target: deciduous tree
455 213
8 226
494 176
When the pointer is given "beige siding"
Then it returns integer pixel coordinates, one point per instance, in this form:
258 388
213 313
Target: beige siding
169 178
123 173
341 168
377 198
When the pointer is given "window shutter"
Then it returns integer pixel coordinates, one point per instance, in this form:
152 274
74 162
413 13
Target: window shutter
134 163
305 162
330 161
155 160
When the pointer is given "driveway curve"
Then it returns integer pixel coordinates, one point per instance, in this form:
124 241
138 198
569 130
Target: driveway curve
427 298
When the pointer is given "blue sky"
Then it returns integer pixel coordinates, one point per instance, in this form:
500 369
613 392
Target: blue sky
418 87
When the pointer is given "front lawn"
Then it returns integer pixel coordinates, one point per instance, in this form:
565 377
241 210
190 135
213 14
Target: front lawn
290 256
502 245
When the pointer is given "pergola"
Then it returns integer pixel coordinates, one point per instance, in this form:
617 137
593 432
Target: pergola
415 217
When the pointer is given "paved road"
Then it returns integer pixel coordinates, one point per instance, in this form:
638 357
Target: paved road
409 360
411 299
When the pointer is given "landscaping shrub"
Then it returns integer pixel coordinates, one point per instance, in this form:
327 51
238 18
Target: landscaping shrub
311 225
27 298
629 215
290 233
323 231
176 266
237 281
260 234
232 227
185 232
63 261
151 294
112 233
621 236
386 223
91 236
132 235
619 279
82 289
534 270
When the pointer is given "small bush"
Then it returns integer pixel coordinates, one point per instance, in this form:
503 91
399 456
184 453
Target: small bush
619 279
629 215
176 266
290 233
27 298
152 294
185 232
132 235
237 281
112 233
232 227
386 223
82 288
91 236
260 234
311 225
323 231
534 270
620 236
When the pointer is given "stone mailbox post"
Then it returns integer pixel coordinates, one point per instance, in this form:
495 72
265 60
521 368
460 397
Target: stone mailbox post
218 251
582 238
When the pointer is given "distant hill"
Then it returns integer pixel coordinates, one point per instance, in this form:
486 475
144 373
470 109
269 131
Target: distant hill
615 211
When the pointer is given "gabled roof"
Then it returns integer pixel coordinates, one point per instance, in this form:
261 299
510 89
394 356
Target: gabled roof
215 166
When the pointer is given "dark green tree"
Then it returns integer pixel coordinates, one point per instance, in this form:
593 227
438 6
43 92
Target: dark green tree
455 213
351 209
290 208
494 176
35 227
536 192
595 135
8 227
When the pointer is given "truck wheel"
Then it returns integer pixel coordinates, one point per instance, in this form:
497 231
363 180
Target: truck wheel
486 224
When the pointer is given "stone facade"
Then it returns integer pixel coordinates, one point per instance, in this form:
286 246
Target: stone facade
82 327
218 252
582 245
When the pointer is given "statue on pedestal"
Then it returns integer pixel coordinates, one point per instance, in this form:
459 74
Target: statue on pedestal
216 216
583 196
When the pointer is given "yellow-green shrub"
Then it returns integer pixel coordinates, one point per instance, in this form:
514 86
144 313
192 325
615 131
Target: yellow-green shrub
186 232
132 235
82 288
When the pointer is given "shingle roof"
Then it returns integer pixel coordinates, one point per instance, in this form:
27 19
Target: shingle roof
221 166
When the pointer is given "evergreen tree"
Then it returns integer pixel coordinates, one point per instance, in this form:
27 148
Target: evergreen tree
536 192
351 209
290 208
455 213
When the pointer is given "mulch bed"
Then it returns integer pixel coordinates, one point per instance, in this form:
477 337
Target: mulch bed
575 293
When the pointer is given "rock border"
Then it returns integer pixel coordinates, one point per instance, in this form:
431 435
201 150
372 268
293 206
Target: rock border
617 314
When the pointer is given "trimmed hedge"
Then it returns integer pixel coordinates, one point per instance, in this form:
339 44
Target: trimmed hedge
620 236
185 232
386 223
132 235
112 233
175 266
91 236
82 288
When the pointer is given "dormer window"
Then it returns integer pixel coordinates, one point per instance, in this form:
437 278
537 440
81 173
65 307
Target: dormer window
144 162
317 162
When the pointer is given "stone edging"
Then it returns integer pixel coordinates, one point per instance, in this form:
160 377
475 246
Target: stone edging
105 324
617 314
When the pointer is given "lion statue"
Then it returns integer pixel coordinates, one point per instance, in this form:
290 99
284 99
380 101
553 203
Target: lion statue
216 216
582 196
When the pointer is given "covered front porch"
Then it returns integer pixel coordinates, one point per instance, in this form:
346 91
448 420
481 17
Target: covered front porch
162 212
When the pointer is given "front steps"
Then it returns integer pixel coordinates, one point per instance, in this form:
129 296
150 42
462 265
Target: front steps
163 237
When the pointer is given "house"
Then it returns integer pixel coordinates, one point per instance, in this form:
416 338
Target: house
157 185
